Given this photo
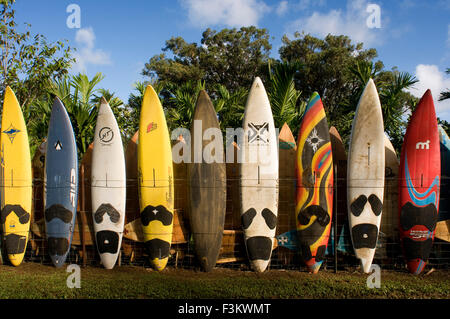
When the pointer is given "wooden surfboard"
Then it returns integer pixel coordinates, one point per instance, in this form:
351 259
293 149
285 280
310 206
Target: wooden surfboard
286 215
207 182
259 177
420 172
61 184
155 179
389 222
365 175
108 184
443 224
314 167
131 162
340 203
16 178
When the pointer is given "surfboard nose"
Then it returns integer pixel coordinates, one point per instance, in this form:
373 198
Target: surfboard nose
159 264
260 265
16 260
58 261
415 266
108 262
314 268
366 263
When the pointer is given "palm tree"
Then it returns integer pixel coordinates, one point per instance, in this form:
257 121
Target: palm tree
445 95
283 96
77 94
391 86
180 103
229 106
38 119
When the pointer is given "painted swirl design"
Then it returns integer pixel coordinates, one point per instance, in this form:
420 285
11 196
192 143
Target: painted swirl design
315 184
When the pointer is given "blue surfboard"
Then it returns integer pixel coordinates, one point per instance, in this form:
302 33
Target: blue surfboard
61 184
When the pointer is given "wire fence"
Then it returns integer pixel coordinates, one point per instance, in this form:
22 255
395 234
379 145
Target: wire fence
339 255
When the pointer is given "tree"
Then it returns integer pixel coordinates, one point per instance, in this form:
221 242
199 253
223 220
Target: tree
325 67
230 106
395 102
78 96
181 103
284 97
229 57
445 95
28 62
339 70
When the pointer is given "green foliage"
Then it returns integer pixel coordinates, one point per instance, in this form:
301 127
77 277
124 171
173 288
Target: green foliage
181 103
338 70
78 96
284 97
28 62
229 57
230 106
445 95
395 102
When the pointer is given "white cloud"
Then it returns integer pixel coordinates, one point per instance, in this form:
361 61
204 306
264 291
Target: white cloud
351 22
282 8
231 13
306 4
86 52
430 77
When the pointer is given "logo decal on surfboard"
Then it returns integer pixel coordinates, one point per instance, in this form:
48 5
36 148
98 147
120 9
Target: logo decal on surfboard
106 134
11 132
258 132
314 140
423 145
58 146
73 191
152 126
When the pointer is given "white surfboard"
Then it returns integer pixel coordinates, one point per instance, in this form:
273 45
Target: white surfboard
259 177
365 175
108 186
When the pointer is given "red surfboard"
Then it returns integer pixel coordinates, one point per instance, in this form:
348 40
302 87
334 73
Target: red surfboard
420 174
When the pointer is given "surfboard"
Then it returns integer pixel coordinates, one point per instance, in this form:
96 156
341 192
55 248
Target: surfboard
365 175
207 183
16 178
259 177
108 186
314 167
155 169
389 222
420 172
286 210
131 163
443 224
61 184
340 202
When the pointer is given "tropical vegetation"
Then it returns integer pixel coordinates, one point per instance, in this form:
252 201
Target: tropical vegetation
224 64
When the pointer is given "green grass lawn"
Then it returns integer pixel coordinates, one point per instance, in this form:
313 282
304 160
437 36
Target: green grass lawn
31 280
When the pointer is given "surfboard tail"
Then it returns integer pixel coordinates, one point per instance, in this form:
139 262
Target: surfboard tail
416 266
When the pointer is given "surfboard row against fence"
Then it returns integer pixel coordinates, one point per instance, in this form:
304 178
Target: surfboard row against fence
418 182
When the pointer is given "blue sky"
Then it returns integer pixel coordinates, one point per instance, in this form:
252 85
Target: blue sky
117 40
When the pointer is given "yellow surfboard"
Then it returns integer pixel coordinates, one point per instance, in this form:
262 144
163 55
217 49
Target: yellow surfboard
156 191
16 179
